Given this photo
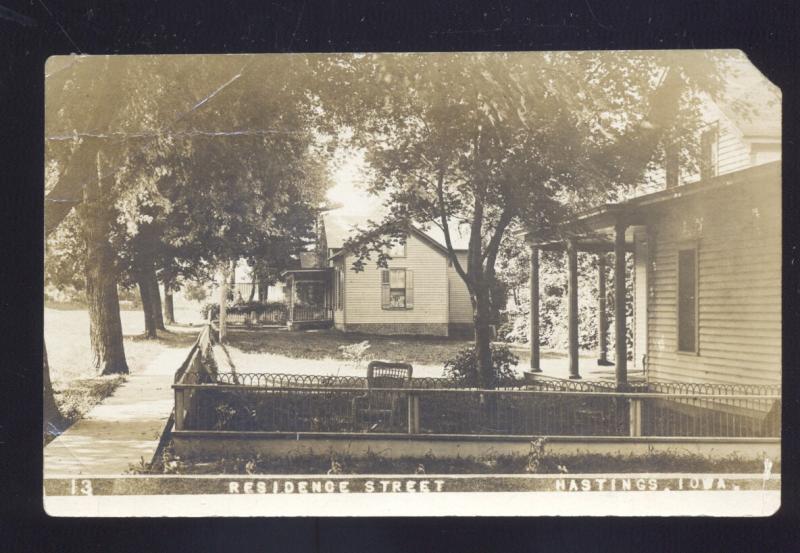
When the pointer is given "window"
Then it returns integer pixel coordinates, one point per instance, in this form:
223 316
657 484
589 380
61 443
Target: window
687 300
397 250
397 289
709 152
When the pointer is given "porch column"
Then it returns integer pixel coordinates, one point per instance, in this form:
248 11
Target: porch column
572 309
621 357
534 317
291 298
602 316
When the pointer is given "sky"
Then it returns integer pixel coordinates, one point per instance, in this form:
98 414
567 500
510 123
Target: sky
350 190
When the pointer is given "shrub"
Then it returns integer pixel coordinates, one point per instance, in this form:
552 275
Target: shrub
194 291
463 368
247 307
211 308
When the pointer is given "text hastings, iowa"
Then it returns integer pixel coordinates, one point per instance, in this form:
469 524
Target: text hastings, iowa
438 485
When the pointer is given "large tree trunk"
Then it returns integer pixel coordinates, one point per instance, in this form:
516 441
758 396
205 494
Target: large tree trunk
223 301
151 300
158 313
482 315
146 293
169 306
53 421
105 326
263 291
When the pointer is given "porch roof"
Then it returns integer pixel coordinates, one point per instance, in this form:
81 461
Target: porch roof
319 271
593 227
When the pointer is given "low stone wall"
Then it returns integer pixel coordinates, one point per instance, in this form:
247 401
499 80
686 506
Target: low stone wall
190 444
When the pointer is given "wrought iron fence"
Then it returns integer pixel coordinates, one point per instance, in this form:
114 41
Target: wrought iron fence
288 380
418 410
273 402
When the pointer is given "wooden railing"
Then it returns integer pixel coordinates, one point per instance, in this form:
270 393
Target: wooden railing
304 313
198 366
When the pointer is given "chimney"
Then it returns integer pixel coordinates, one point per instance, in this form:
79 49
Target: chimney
672 166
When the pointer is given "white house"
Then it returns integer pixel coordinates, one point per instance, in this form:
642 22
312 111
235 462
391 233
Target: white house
419 292
707 254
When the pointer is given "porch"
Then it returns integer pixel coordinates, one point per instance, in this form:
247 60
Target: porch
609 236
705 282
309 298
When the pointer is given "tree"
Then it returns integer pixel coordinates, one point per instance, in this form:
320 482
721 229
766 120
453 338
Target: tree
494 141
84 161
105 326
162 130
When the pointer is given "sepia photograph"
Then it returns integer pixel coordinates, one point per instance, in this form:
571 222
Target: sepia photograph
419 284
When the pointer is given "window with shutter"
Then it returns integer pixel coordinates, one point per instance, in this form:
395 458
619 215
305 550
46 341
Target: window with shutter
397 288
397 250
341 289
409 289
687 300
385 302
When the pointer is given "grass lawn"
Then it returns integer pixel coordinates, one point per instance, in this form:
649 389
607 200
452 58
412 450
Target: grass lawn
321 344
276 350
317 351
77 388
490 463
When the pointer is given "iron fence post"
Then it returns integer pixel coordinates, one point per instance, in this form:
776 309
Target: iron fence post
635 417
413 414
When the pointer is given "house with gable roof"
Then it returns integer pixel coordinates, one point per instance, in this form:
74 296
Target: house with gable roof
706 249
419 292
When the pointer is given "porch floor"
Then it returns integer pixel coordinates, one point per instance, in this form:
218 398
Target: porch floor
556 365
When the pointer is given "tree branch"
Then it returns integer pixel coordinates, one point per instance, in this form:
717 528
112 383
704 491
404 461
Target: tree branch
493 247
446 228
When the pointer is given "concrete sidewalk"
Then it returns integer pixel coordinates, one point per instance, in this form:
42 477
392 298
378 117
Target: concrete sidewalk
121 430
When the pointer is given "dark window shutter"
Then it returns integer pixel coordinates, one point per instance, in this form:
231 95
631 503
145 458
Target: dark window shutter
385 301
341 288
409 289
687 300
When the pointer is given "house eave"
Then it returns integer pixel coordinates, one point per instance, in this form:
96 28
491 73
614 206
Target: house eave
419 234
635 211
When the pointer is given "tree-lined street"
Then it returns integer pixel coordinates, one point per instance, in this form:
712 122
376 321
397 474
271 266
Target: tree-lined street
163 171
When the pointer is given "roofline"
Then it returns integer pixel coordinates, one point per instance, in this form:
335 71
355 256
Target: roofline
316 270
673 194
419 234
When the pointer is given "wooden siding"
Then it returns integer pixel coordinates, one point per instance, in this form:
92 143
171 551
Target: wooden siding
733 152
363 289
737 233
460 303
